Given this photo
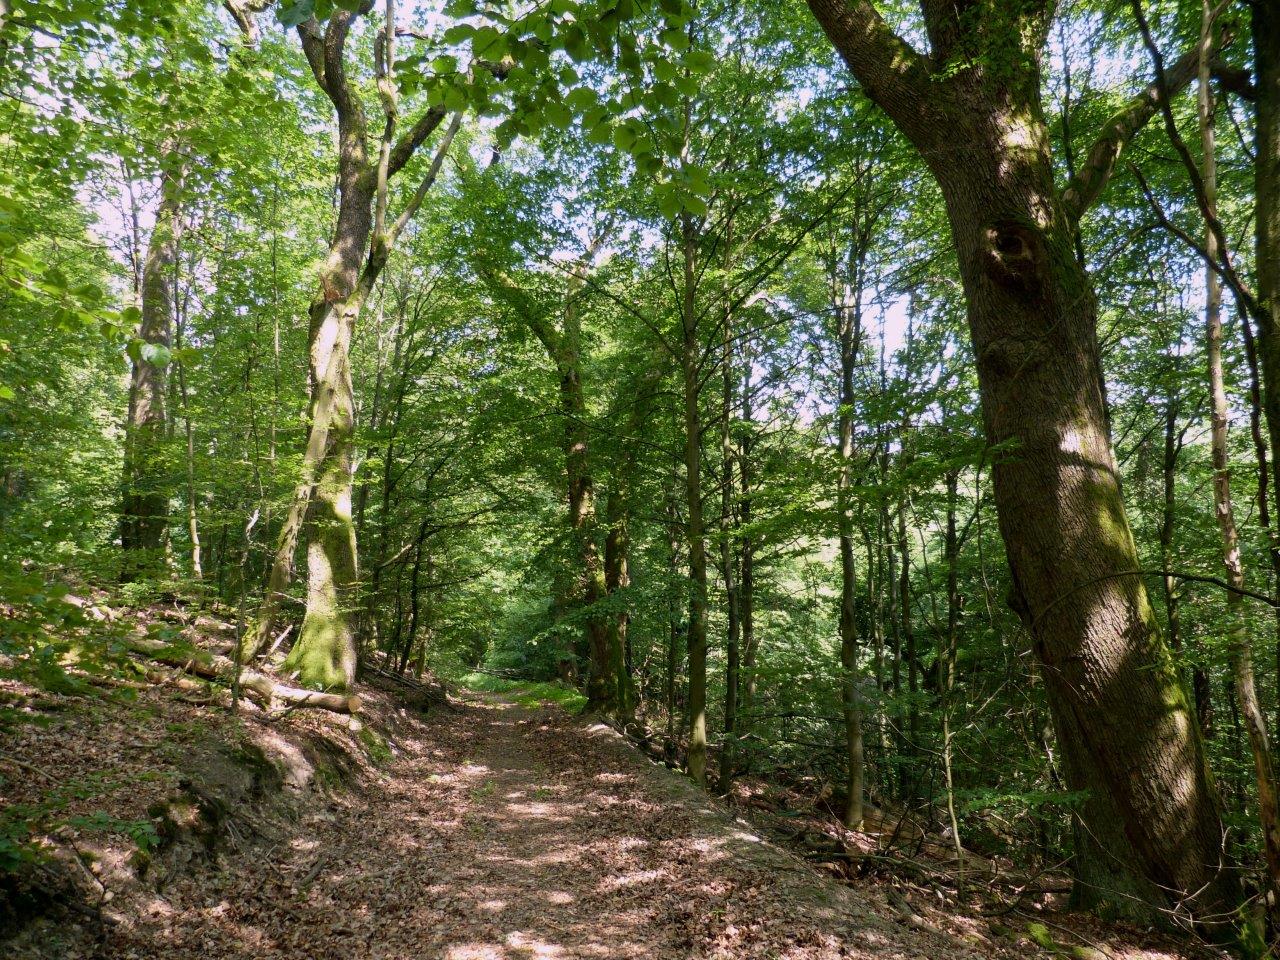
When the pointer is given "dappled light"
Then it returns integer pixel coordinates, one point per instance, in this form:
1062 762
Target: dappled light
507 832
711 479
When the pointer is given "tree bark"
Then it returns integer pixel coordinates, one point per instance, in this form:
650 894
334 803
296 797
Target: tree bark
193 524
747 578
148 477
617 545
849 337
728 559
325 653
601 683
1239 643
696 758
1266 48
673 621
1150 833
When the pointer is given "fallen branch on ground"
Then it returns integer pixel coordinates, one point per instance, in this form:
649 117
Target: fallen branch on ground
257 685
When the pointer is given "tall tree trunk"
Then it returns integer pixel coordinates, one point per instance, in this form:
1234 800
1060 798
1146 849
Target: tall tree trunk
673 622
327 657
325 654
728 560
747 577
696 760
193 525
147 473
1239 643
617 578
601 686
947 653
907 648
617 545
1173 439
849 336
1266 47
1150 831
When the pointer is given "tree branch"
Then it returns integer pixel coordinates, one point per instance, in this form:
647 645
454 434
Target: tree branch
411 208
1087 185
1174 574
889 69
244 13
413 138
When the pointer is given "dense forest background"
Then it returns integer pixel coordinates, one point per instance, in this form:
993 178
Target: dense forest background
642 346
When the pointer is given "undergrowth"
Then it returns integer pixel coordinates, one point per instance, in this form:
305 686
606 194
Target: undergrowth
528 693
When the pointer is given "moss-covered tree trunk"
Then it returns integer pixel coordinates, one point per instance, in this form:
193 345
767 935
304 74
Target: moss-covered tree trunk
617 578
325 652
619 507
1150 833
750 639
601 684
1266 48
728 556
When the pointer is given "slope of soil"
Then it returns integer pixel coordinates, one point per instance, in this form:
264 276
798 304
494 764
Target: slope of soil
496 830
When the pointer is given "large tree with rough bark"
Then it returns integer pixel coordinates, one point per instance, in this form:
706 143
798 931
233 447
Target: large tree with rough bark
1150 837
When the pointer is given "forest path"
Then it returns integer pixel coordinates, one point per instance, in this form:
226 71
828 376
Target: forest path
516 833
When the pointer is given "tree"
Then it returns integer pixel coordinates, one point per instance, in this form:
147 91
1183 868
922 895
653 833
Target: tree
324 654
1150 836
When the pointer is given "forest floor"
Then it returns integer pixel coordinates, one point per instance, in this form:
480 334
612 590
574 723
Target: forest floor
491 830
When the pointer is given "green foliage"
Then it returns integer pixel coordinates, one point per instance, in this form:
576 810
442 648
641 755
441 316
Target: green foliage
606 146
23 826
526 693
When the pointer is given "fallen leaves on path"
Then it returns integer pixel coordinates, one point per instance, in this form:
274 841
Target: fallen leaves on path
501 832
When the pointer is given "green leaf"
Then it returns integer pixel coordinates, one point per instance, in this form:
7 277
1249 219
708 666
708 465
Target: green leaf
454 98
458 33
557 115
156 354
624 138
687 85
581 99
295 13
487 43
665 95
669 202
576 45
675 39
700 61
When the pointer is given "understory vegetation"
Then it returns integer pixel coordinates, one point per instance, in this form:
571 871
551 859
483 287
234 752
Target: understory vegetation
877 399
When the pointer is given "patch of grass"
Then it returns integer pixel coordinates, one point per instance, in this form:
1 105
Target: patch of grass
378 751
528 693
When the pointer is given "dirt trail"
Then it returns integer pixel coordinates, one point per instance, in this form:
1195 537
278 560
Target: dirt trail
509 832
